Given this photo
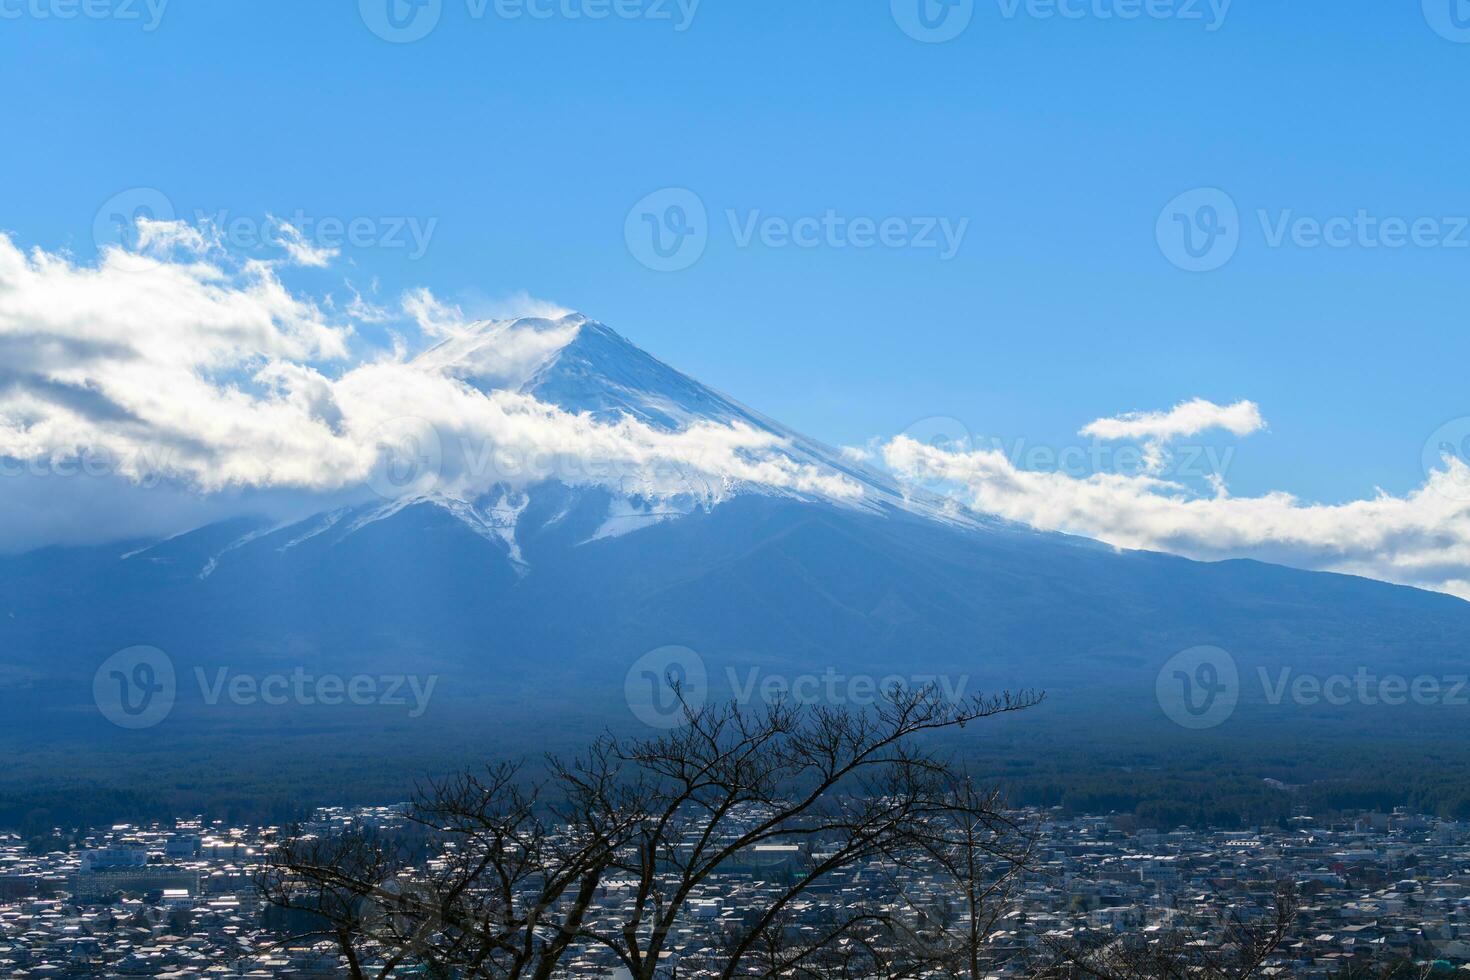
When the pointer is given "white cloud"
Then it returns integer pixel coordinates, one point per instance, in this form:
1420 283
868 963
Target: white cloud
211 374
362 310
1185 419
1157 429
437 318
198 377
302 251
434 319
162 237
1420 539
513 306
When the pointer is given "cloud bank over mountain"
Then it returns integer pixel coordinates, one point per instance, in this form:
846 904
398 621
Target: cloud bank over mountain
1420 539
188 382
175 363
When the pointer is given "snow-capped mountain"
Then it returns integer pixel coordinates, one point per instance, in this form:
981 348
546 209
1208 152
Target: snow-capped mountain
542 593
584 368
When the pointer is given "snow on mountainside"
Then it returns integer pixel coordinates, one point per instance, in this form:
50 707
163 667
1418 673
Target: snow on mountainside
599 372
584 368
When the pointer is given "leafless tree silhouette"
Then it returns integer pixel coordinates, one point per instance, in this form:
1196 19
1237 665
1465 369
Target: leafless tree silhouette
608 850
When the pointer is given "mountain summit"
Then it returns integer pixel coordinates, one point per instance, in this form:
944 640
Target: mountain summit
582 367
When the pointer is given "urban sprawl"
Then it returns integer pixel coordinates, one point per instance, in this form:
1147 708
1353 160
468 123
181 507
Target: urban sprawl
180 901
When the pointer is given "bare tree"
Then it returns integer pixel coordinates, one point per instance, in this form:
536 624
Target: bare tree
608 851
503 895
982 854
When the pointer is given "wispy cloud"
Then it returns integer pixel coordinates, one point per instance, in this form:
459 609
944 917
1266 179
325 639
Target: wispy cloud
163 237
1185 419
302 251
1421 539
434 318
1156 430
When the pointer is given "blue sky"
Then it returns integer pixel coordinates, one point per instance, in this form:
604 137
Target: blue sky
1060 140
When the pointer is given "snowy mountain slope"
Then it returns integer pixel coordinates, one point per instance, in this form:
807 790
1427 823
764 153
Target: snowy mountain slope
583 367
600 372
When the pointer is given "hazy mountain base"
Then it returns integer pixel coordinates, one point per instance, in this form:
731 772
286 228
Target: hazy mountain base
784 586
762 587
